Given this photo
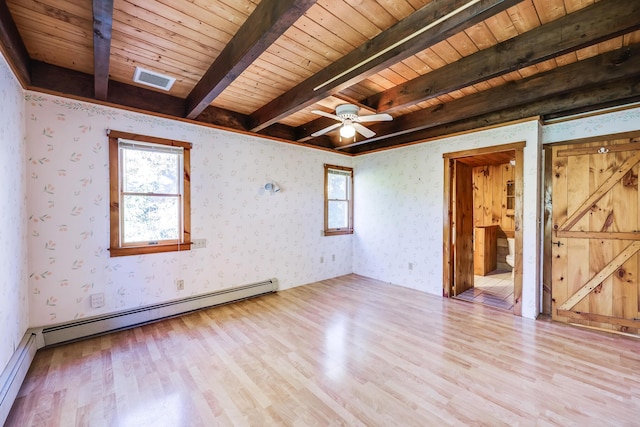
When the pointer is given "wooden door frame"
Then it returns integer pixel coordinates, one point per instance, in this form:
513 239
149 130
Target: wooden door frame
448 250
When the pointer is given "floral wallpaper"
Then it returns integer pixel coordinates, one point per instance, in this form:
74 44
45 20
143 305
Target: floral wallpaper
399 210
14 307
604 124
251 234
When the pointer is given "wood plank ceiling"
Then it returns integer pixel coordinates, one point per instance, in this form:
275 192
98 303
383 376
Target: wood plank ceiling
437 66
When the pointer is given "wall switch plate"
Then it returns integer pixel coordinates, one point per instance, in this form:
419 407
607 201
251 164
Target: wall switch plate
198 243
180 284
410 266
96 300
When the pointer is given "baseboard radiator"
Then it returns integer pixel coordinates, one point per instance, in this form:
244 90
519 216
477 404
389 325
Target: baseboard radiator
15 372
112 322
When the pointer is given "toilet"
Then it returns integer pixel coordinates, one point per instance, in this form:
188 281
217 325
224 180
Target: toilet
510 257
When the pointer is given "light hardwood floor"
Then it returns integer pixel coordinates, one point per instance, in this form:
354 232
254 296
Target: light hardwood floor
347 351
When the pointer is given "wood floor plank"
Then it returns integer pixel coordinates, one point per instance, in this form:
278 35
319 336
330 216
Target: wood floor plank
345 351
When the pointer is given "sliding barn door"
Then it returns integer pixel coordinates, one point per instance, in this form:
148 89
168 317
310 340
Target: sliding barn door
596 234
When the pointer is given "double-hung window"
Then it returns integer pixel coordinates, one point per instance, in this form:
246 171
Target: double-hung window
150 194
338 200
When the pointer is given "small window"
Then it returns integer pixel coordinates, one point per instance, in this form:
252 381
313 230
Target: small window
149 194
338 200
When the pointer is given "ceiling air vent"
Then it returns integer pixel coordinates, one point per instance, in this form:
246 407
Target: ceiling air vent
153 79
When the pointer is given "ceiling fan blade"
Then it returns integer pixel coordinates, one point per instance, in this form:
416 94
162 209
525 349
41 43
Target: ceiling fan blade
366 132
329 115
383 117
327 129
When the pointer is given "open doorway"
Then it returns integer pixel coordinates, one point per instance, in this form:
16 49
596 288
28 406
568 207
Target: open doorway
482 233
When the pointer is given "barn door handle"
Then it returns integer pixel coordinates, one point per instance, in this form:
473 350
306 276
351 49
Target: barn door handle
557 243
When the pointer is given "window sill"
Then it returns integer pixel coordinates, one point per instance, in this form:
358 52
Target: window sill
149 249
337 232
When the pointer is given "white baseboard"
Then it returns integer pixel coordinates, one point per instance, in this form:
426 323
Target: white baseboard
15 373
80 329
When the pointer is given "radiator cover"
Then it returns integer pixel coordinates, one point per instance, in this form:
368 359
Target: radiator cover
14 374
126 319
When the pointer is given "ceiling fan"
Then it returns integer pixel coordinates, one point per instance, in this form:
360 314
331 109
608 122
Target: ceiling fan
349 121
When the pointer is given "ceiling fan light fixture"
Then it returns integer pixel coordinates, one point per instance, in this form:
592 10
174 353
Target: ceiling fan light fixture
349 121
347 130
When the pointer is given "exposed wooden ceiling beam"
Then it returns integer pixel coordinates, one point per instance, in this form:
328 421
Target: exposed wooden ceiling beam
225 118
592 100
367 60
306 130
13 46
591 25
66 82
322 141
269 20
58 80
618 92
237 121
102 24
620 64
52 78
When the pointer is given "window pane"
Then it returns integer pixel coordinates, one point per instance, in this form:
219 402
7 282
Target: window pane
150 218
337 186
146 171
338 215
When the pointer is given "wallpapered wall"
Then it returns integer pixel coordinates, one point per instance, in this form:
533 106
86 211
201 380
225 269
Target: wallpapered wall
399 214
251 235
14 308
627 120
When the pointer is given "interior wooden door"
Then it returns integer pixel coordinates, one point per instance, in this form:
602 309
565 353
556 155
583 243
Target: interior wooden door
596 234
463 214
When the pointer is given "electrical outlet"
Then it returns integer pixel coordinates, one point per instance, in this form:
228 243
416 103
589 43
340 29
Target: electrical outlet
180 284
410 266
198 243
333 257
321 259
96 300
